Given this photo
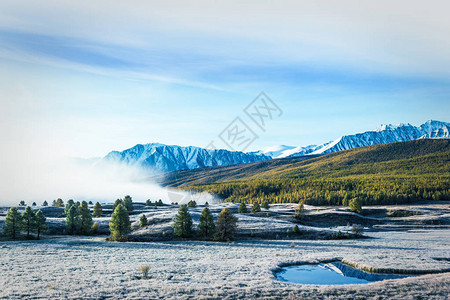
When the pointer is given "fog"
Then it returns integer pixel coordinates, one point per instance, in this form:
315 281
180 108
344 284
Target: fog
82 179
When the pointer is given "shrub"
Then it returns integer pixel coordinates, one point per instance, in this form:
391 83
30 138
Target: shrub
144 270
148 202
355 205
242 208
143 221
256 207
183 223
295 229
357 229
265 204
226 225
94 228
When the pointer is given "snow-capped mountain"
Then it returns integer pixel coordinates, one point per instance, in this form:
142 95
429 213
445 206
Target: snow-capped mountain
166 158
382 135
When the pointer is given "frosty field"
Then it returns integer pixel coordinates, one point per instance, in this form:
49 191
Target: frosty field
91 268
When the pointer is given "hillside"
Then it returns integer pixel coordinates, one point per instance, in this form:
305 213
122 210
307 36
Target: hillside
381 174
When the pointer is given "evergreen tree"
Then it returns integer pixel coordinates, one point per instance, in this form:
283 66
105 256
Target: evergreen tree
242 208
155 206
183 223
206 204
256 207
98 210
41 224
148 202
90 203
59 203
160 203
45 203
355 205
54 203
226 225
13 222
299 210
22 203
206 225
265 204
117 203
295 229
192 203
85 218
73 220
143 221
128 203
34 204
70 203
120 223
28 220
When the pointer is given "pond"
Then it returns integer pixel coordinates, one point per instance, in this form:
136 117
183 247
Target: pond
334 273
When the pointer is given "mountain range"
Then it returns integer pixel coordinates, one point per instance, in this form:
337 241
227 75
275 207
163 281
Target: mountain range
166 158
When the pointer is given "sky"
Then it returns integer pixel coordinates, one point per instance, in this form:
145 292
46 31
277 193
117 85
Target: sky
82 78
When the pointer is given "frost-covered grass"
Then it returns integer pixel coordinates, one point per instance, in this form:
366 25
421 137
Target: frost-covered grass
76 267
89 267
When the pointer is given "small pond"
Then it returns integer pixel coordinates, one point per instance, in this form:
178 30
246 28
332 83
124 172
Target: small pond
334 273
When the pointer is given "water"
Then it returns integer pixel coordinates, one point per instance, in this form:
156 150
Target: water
335 273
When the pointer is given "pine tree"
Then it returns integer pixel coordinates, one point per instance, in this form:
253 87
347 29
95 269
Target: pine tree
120 223
143 221
41 224
148 202
22 203
12 223
160 203
54 203
183 222
206 204
59 203
242 208
70 202
34 204
265 204
90 203
299 210
226 225
355 205
155 206
98 210
117 203
73 220
128 203
192 203
28 220
45 203
256 207
85 218
206 226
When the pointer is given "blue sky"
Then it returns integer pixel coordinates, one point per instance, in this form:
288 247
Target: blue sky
82 79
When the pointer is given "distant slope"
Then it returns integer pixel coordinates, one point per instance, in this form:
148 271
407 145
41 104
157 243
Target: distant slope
381 174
